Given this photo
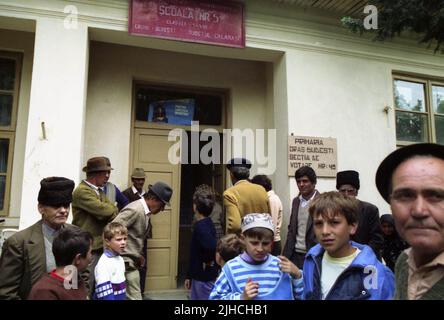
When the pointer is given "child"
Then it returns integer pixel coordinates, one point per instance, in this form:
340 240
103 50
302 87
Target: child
72 254
393 245
337 268
256 274
228 247
203 269
110 270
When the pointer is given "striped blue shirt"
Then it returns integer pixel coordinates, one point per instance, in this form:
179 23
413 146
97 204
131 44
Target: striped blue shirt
273 283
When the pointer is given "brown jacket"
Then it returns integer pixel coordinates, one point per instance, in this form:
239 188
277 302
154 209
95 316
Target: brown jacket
310 238
23 262
241 199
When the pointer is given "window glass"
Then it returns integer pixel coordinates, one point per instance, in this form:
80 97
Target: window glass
411 127
409 96
177 107
7 74
438 99
439 129
5 109
4 152
2 191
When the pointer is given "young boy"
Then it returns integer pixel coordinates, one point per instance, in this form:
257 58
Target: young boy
337 268
256 274
72 254
203 269
110 270
228 247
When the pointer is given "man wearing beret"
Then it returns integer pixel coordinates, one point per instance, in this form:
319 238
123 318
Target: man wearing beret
411 179
92 209
369 229
27 254
243 197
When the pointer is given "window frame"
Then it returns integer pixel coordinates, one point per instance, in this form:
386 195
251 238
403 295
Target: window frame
429 111
10 136
8 132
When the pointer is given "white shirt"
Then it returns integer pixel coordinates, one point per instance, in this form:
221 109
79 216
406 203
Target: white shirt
137 192
304 202
95 188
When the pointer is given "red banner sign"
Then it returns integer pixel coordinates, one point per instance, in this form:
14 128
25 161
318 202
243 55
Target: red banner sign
213 22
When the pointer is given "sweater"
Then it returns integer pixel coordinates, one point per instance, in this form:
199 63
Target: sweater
401 281
273 283
51 287
110 277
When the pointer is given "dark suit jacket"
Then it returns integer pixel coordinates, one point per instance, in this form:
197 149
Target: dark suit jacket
310 238
369 229
23 262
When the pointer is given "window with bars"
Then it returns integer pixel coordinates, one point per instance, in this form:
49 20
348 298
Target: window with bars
10 64
419 110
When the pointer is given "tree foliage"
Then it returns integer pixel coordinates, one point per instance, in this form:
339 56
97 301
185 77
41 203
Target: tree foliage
424 17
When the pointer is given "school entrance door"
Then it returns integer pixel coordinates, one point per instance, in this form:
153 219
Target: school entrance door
151 153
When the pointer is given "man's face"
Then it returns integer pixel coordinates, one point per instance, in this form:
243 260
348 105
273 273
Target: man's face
333 233
138 183
83 262
305 186
258 249
348 190
155 205
417 202
56 216
101 178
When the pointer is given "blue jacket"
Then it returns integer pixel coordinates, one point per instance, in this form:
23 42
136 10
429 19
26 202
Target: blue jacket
357 282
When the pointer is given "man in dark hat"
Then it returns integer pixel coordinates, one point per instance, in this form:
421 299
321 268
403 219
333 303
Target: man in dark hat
243 197
27 254
411 179
369 229
92 210
136 217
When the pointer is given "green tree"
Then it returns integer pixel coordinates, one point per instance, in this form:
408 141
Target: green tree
424 17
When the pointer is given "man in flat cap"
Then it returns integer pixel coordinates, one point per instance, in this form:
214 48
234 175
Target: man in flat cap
27 254
136 217
243 197
369 229
92 209
411 179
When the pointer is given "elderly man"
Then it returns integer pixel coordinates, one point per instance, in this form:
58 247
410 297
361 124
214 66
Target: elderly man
369 230
411 179
27 254
135 217
92 210
243 197
300 236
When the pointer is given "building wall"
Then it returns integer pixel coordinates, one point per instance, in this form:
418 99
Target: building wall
111 74
22 42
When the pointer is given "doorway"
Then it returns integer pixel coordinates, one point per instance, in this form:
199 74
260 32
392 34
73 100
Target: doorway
193 175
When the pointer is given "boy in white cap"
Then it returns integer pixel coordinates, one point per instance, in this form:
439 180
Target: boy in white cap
256 274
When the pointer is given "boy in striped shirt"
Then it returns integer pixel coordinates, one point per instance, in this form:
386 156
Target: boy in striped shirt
256 274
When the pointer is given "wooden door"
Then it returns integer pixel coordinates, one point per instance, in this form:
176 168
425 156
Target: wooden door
151 153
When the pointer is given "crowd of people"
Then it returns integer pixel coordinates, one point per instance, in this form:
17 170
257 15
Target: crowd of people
337 246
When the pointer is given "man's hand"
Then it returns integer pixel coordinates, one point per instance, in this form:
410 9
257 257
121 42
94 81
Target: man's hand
288 267
141 262
251 290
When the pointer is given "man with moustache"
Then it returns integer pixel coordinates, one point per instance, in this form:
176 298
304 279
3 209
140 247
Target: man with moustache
411 179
